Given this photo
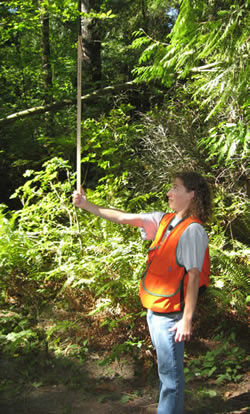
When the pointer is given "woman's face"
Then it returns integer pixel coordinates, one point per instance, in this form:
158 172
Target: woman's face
179 197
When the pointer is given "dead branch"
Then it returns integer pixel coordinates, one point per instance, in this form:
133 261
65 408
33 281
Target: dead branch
65 102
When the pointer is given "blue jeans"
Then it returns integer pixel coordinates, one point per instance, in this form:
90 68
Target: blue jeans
170 358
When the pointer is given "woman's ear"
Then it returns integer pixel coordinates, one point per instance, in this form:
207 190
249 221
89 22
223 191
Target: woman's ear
191 194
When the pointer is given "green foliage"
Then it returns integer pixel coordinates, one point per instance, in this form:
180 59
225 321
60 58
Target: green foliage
224 363
47 248
13 341
118 58
38 237
229 248
16 334
208 41
230 280
52 243
21 52
128 347
106 139
228 147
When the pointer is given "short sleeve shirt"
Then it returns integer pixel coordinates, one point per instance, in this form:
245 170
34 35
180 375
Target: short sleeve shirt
192 244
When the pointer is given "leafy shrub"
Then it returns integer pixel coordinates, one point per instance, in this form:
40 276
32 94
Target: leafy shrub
224 363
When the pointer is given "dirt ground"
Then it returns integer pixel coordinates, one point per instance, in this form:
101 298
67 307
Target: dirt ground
42 381
60 386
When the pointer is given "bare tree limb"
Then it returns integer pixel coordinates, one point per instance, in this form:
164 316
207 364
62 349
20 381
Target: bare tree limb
65 102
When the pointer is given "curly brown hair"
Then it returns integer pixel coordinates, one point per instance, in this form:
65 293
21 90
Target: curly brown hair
200 205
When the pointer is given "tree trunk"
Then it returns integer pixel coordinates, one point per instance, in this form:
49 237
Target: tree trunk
46 68
91 36
144 15
45 43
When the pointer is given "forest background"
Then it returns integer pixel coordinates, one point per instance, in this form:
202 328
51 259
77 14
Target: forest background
164 87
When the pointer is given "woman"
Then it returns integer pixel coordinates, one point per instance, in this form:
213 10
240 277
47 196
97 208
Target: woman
177 269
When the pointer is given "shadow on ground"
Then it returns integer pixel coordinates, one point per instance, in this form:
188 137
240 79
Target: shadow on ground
42 385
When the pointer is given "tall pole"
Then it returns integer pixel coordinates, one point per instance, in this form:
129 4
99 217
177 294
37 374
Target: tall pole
79 104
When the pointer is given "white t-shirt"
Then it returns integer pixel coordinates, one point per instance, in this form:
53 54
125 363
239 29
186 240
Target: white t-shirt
192 244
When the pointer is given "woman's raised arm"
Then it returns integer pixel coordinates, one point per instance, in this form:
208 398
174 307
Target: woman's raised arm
117 216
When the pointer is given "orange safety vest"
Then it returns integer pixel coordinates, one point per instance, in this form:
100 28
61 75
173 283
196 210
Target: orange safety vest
164 283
